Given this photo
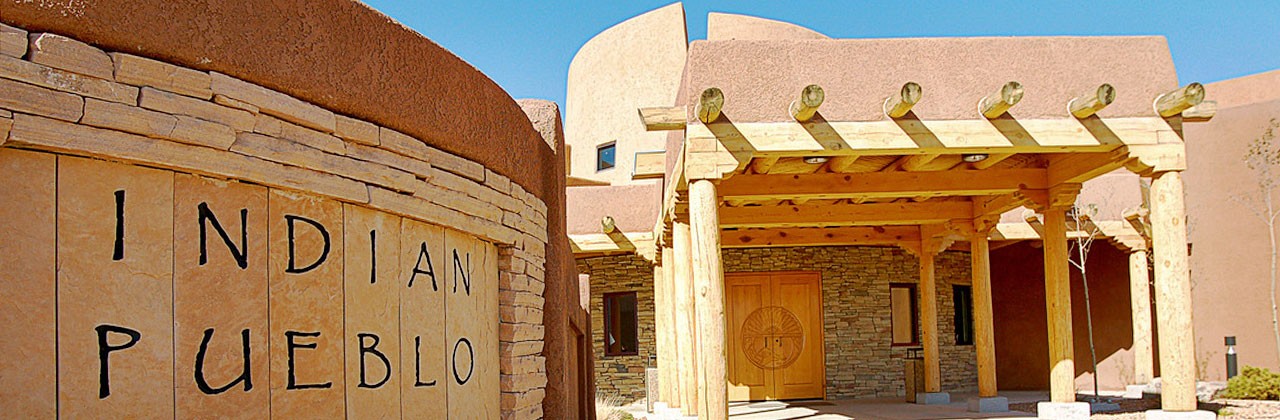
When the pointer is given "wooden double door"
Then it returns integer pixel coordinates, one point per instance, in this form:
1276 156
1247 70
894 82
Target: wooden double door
775 336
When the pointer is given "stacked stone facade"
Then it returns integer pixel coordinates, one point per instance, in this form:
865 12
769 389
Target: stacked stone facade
59 95
861 361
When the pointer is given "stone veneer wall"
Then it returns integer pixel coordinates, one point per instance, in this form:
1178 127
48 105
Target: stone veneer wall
860 359
621 376
64 96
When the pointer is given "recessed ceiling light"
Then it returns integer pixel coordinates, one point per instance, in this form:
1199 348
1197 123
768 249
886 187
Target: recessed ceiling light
974 158
816 160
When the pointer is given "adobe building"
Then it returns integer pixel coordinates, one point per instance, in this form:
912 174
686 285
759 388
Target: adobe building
245 209
773 214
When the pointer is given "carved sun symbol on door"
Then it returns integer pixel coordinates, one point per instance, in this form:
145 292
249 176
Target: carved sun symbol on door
772 337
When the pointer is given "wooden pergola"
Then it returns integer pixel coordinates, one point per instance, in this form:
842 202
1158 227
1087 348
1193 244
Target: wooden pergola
922 186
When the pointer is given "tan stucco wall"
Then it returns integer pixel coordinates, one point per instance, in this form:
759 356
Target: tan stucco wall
725 26
636 63
1230 255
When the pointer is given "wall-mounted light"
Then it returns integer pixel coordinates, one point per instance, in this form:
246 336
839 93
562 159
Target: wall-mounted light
816 160
974 157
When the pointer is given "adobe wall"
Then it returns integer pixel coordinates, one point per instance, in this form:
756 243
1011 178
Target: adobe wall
1230 255
1018 305
185 243
860 359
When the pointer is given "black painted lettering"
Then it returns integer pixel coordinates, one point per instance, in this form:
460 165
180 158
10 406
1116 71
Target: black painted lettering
373 257
104 352
424 255
293 268
372 348
417 364
460 272
471 357
293 377
244 375
239 253
118 253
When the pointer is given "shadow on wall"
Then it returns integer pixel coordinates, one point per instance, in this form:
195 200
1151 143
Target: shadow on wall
1022 362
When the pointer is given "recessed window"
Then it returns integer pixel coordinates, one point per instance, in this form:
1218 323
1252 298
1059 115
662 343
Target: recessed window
902 302
962 296
605 156
620 324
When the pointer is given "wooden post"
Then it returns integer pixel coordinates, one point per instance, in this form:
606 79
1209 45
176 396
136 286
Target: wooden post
1140 302
660 327
685 326
1057 293
984 332
672 360
1173 293
708 277
929 322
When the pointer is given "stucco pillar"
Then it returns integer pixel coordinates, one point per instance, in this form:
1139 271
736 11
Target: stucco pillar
1140 303
682 260
708 277
1057 292
1173 293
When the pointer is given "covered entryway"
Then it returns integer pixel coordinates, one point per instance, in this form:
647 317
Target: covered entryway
775 335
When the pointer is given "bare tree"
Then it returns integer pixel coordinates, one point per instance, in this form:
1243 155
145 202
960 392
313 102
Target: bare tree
1081 220
1263 159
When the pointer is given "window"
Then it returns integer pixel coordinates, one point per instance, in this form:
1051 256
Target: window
604 156
963 298
902 303
620 324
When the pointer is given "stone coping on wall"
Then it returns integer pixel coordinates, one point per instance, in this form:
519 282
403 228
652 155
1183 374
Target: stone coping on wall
64 96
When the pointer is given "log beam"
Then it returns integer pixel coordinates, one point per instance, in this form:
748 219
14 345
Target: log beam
996 104
794 237
708 273
898 105
883 184
1175 101
870 214
663 118
1084 106
710 102
804 108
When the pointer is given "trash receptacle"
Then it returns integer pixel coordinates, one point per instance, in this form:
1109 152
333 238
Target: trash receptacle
913 373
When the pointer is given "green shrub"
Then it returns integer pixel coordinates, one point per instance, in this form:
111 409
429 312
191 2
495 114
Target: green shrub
1253 384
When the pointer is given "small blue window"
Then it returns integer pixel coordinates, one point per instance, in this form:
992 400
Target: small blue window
605 156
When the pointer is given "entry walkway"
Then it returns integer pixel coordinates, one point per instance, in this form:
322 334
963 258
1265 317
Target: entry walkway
891 408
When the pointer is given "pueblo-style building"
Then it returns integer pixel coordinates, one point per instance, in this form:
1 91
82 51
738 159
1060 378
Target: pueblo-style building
773 214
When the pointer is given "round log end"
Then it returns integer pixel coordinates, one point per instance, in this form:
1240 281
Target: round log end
911 93
812 96
1011 93
1106 94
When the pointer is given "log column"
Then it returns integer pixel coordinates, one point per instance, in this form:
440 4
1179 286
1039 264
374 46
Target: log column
1173 293
660 326
929 326
708 274
1140 302
682 261
1057 293
670 359
983 330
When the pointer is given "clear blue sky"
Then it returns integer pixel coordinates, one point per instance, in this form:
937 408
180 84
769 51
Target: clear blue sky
526 45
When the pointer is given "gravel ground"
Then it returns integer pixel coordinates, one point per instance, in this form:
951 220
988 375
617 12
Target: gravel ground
1226 409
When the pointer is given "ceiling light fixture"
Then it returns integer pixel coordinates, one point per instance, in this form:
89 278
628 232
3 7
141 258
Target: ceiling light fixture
974 157
816 160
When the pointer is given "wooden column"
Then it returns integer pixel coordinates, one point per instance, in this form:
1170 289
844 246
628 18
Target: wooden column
1173 293
672 360
983 330
929 322
660 327
1140 302
1057 293
684 318
708 275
